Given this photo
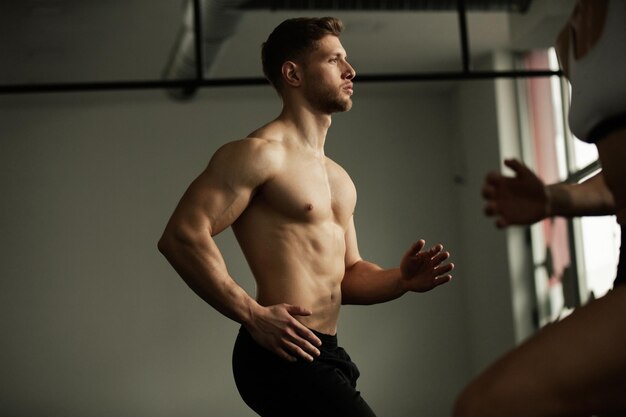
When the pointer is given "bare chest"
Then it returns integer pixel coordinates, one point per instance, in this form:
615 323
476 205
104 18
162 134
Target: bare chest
310 190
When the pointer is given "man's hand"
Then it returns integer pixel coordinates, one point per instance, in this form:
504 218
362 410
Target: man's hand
522 199
276 329
423 271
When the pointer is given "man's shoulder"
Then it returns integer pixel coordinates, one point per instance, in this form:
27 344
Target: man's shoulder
250 156
251 148
335 166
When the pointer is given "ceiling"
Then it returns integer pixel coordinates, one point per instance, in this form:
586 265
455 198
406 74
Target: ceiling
66 41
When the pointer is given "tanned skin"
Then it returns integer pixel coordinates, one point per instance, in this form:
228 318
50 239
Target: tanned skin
292 211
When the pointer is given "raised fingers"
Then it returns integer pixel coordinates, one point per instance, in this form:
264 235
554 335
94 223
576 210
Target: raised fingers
440 257
443 269
489 191
416 247
435 250
491 209
518 167
501 223
442 279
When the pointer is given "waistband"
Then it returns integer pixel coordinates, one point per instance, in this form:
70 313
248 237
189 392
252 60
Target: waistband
328 341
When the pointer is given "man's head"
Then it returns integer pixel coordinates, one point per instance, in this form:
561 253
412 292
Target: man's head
292 40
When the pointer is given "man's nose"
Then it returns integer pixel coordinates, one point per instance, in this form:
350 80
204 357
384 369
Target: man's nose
350 72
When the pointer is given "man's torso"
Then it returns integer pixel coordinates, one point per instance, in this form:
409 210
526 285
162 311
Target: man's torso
293 234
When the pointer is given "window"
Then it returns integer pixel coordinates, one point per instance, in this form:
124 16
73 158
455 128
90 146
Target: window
575 259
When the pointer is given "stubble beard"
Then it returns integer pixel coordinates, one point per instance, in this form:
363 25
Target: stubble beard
330 101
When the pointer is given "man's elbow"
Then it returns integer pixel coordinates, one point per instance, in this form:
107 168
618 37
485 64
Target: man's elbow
177 237
164 244
169 241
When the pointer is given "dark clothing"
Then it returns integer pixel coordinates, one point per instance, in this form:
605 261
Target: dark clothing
606 127
274 387
597 78
620 279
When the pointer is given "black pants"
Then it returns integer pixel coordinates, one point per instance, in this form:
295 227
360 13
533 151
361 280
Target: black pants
274 387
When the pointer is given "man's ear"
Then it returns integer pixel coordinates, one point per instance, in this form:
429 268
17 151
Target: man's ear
291 73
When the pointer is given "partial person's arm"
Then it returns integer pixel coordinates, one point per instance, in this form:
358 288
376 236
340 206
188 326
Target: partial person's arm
524 199
211 204
367 283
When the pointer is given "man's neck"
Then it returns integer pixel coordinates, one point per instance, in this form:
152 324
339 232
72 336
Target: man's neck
309 127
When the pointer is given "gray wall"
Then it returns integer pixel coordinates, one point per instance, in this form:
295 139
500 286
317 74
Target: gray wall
96 323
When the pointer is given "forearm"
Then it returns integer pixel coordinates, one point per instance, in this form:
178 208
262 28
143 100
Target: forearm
367 283
200 264
589 198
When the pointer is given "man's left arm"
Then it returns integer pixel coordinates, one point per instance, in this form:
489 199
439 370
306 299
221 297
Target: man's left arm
367 283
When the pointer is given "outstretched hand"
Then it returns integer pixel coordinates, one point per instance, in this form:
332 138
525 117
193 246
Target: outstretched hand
424 270
276 329
520 200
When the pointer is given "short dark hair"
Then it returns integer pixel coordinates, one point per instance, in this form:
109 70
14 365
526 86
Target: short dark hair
291 40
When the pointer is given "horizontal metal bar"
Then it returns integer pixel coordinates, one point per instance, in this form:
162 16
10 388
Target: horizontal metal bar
235 82
460 76
585 172
514 6
128 85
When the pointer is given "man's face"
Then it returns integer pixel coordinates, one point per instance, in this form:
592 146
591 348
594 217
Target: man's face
328 77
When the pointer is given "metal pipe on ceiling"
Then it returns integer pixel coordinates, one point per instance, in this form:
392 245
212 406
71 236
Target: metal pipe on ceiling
186 87
205 28
240 82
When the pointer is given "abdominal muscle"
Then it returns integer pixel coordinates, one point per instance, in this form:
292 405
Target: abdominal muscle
298 263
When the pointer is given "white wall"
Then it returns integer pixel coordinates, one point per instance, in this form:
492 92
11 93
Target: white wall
484 247
498 266
96 323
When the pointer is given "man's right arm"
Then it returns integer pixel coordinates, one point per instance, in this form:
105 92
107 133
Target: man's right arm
212 203
524 199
